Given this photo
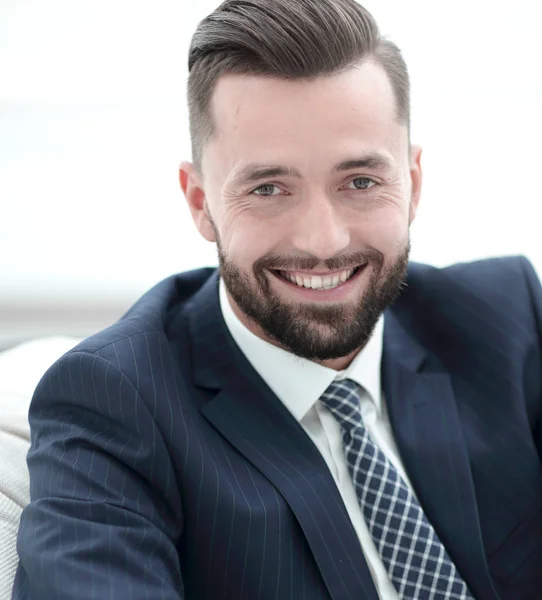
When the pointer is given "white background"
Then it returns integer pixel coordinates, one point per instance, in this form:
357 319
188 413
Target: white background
93 126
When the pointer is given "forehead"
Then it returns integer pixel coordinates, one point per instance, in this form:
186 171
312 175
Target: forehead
264 118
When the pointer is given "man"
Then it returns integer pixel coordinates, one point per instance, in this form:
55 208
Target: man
319 418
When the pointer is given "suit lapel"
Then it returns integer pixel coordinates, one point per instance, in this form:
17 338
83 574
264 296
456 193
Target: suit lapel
256 423
427 428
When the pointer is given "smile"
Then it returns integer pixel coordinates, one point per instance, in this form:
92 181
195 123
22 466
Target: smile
319 282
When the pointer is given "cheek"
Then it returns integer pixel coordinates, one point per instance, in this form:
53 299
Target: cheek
385 231
247 240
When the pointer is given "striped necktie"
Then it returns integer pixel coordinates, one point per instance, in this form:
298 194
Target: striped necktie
415 559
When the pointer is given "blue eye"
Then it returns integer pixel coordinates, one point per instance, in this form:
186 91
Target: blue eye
263 189
365 185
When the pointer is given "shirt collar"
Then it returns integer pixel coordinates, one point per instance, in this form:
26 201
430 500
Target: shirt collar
299 382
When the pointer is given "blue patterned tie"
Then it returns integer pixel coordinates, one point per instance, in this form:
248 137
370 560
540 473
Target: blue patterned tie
415 559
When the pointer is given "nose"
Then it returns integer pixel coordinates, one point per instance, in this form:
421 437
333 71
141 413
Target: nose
319 229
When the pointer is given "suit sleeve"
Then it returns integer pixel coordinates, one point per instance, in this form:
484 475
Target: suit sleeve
103 520
535 292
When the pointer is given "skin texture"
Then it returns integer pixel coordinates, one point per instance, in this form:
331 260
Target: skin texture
318 221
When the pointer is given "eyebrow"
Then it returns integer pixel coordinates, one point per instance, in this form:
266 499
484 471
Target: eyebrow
253 173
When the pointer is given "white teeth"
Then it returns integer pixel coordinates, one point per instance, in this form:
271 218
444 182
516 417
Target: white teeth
317 282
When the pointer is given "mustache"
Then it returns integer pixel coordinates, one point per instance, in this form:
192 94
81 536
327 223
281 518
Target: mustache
279 262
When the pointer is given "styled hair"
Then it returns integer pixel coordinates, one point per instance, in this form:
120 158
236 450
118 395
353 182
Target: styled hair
288 39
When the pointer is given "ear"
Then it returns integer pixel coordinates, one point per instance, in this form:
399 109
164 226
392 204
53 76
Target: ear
416 180
192 186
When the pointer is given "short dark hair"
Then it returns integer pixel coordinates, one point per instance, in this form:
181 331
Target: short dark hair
289 39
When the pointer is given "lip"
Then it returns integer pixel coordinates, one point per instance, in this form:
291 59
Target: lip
338 293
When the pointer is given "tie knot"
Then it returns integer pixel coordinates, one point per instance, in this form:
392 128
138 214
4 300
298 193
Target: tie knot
342 399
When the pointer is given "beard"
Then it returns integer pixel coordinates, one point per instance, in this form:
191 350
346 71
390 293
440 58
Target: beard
314 331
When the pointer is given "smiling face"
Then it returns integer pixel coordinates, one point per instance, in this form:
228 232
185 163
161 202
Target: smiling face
308 189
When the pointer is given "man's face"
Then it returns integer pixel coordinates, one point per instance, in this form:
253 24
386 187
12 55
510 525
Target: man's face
308 190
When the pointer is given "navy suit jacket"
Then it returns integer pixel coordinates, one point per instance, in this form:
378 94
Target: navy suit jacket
163 467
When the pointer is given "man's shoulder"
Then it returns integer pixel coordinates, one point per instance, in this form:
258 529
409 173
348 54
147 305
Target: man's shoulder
470 301
132 350
501 279
483 274
151 314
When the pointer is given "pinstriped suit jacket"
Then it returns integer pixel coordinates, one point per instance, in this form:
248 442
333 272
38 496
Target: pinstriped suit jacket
162 466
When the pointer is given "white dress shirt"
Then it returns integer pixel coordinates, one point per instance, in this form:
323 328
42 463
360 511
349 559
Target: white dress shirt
299 383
